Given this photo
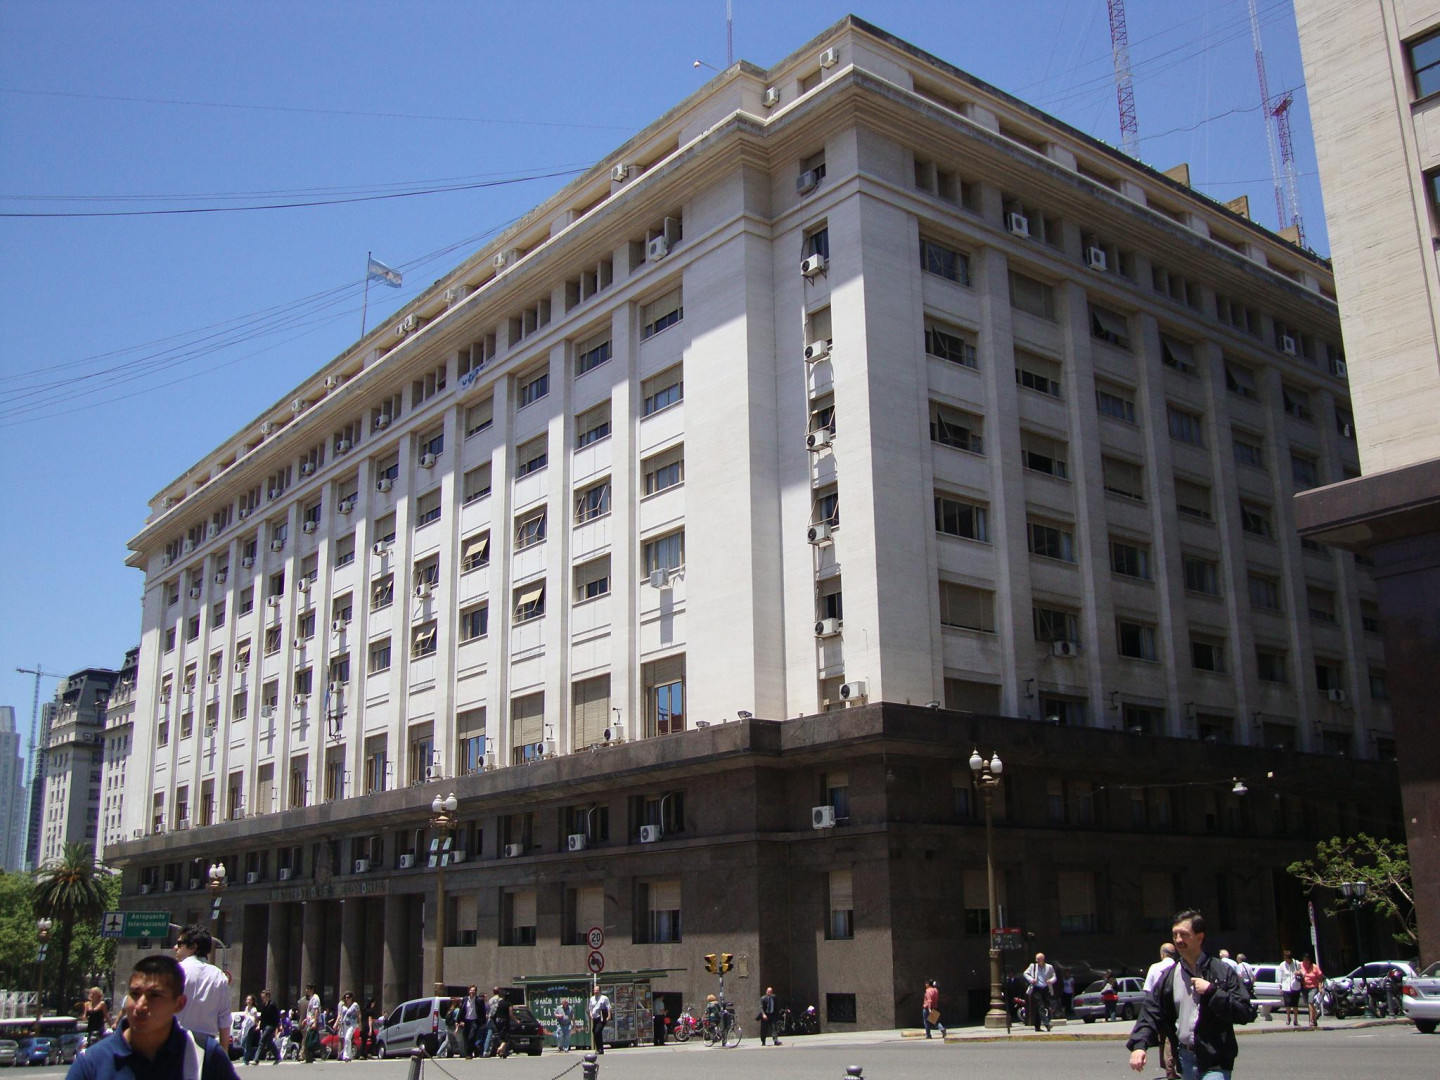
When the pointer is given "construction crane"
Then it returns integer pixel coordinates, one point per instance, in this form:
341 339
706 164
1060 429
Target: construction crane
40 673
1124 83
1277 139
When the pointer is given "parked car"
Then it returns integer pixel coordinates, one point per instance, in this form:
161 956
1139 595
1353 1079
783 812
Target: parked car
526 1033
1421 998
9 1048
38 1050
1267 983
411 1024
1089 1007
70 1046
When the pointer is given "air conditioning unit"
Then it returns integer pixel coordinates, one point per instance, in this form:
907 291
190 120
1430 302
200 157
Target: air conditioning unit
649 834
383 420
267 711
273 493
181 826
277 545
1287 344
504 259
807 182
144 887
381 548
169 886
815 264
456 293
852 691
1095 258
188 547
298 701
422 590
1336 695
575 842
307 468
220 576
248 562
334 688
239 667
771 98
303 584
213 678
212 530
194 592
286 873
384 484
338 626
829 58
409 324
659 578
657 249
407 862
817 350
343 446
822 817
194 882
514 851
267 426
1017 223
818 534
244 513
345 506
167 502
620 173
1339 369
818 440
332 381
252 876
166 560
299 405
1065 648
273 601
427 461
308 526
362 866
457 855
827 627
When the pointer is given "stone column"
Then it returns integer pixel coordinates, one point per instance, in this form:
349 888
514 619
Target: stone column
394 972
352 945
277 954
312 945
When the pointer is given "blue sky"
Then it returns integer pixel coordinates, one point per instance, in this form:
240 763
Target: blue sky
108 107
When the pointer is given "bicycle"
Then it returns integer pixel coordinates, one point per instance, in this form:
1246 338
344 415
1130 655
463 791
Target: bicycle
728 1034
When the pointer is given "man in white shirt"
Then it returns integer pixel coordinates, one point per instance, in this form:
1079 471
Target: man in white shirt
207 990
598 1009
1040 978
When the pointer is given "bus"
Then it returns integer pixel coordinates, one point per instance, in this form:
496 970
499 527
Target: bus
52 1027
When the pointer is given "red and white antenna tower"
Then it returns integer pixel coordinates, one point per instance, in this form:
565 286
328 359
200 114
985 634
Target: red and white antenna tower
1282 149
1124 83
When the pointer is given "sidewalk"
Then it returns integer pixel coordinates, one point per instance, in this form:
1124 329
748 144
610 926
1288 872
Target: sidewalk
1120 1030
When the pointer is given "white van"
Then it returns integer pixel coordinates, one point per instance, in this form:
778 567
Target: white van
415 1023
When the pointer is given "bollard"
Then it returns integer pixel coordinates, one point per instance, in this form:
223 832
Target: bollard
417 1057
854 1072
591 1068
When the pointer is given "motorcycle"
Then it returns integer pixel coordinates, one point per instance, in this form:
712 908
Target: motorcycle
685 1025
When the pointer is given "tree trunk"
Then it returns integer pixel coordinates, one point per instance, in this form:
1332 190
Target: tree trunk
67 936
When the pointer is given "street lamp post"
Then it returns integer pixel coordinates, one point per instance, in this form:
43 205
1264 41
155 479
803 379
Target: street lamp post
215 881
1354 894
42 931
987 779
443 822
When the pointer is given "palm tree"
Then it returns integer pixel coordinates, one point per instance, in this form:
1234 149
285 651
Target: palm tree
68 889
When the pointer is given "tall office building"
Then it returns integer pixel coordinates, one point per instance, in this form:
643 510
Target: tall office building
1373 75
118 734
12 792
72 753
852 391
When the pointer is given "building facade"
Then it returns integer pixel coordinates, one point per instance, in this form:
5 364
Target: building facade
585 496
1373 73
73 754
12 792
118 736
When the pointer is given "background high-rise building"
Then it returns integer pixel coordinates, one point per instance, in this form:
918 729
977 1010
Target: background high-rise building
12 792
846 388
72 754
1372 71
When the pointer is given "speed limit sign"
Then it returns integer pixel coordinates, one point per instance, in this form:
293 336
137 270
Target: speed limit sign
595 938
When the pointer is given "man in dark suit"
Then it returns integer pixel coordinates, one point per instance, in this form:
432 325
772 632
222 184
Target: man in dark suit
769 1014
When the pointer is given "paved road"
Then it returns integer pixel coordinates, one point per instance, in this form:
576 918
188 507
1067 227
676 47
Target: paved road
1398 1052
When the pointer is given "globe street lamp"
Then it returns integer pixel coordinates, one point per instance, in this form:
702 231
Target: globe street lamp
1354 894
987 779
443 822
42 931
216 880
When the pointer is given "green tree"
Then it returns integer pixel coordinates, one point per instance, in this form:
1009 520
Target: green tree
1384 867
69 891
18 943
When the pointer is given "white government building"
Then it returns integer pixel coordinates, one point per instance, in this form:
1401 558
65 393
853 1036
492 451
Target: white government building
857 325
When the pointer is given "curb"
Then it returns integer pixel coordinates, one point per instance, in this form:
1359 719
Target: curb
1122 1036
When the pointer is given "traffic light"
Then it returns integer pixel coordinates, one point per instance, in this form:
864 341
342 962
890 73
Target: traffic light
710 963
726 962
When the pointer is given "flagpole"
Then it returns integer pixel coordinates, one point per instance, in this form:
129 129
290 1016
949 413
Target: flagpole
365 308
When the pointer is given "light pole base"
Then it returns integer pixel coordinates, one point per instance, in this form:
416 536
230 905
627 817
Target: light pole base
995 1018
